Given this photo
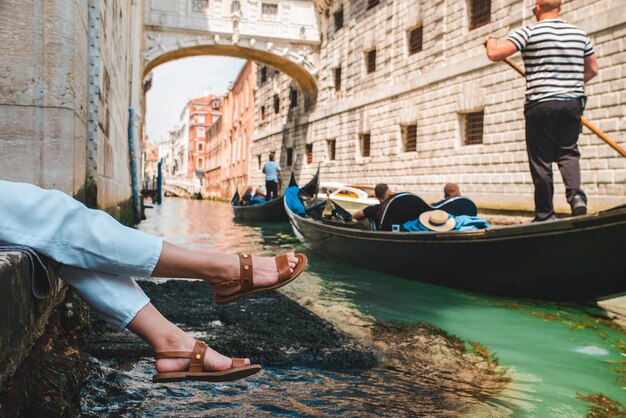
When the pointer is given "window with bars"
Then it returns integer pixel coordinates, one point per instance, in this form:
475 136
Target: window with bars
372 3
293 96
338 16
370 58
365 144
309 153
415 39
480 13
289 157
409 138
473 128
276 103
331 149
199 5
337 75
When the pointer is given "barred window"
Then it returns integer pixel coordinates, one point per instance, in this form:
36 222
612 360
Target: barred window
289 157
309 153
293 96
338 15
480 13
276 103
337 74
331 149
365 145
199 5
372 3
473 128
415 40
409 138
371 61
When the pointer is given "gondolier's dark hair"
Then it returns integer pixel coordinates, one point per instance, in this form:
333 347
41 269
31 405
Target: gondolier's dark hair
381 190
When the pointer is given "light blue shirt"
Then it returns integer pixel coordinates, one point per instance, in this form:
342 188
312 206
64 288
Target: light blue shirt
271 170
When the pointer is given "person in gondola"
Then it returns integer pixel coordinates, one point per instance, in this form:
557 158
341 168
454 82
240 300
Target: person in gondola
272 171
450 190
559 60
98 257
382 193
247 196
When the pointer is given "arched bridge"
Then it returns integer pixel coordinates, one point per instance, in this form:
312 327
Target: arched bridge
283 34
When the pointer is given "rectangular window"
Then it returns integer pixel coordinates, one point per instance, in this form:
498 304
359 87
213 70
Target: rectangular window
199 6
472 125
200 163
480 13
200 119
371 61
263 74
309 153
372 3
409 138
365 145
263 112
337 74
338 15
216 104
200 131
258 157
269 10
200 146
276 103
331 149
289 157
293 95
415 40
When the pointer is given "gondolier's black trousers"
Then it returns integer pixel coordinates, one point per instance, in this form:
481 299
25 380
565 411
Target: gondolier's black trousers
272 189
552 129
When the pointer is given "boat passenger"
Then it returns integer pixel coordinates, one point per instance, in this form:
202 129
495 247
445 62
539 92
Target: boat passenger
247 196
272 171
382 193
258 198
450 190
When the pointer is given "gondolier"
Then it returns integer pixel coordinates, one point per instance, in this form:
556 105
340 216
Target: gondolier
272 171
559 60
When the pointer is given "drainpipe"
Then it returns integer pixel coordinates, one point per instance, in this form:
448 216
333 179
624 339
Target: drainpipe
133 164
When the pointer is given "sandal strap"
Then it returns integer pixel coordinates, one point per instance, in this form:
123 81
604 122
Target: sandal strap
172 354
245 272
282 264
197 357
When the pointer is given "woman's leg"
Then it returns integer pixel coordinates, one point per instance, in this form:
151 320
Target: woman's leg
120 302
65 230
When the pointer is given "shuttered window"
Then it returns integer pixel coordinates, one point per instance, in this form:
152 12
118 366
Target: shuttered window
480 13
371 61
409 138
415 40
474 128
365 145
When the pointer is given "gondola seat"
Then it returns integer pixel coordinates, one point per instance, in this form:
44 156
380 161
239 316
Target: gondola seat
398 209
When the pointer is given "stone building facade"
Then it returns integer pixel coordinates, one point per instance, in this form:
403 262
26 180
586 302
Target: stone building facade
406 96
230 138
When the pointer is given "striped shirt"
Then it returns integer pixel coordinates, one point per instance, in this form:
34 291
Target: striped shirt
554 56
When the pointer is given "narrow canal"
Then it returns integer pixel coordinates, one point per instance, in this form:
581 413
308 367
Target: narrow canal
554 354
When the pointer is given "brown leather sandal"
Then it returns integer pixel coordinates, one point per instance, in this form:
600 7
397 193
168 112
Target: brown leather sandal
246 278
195 372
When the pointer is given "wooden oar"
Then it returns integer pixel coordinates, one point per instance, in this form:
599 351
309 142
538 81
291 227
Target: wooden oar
583 119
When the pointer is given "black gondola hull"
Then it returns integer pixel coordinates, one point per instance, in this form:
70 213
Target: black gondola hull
575 259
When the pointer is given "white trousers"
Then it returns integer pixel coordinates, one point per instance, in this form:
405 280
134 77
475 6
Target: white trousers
98 254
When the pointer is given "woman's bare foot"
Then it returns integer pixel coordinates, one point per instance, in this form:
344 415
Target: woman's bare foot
213 361
265 273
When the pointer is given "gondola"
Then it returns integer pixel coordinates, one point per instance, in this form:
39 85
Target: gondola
571 259
274 210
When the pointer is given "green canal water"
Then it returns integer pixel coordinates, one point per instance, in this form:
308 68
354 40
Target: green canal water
553 352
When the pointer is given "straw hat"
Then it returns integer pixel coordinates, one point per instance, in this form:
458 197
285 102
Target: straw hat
437 220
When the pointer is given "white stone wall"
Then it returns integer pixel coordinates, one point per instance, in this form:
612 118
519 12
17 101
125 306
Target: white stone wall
450 75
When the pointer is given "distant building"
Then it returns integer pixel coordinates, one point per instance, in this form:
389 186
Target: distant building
150 160
230 138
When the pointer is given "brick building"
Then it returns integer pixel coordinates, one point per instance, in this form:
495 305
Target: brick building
407 96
